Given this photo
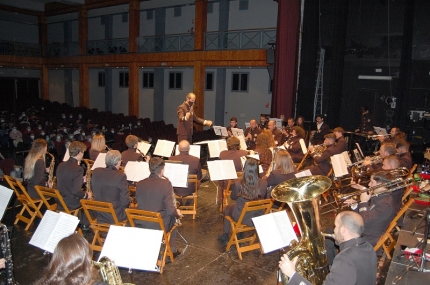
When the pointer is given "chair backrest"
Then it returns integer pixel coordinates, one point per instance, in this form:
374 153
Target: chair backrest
18 188
46 193
192 178
97 206
142 215
239 175
257 205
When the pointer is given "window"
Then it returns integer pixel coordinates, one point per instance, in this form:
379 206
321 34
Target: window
270 86
243 5
124 18
209 82
148 80
123 79
210 8
175 80
150 14
102 79
239 82
177 11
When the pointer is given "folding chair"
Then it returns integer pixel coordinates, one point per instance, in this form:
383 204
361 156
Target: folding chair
227 190
153 217
409 189
102 207
303 161
29 205
191 209
239 227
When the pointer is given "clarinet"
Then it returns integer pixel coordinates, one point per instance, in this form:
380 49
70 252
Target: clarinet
7 255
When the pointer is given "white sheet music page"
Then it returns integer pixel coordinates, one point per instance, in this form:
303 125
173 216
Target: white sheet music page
303 146
224 132
66 155
100 161
217 130
242 142
216 146
274 231
247 125
5 194
237 132
339 165
346 157
303 173
140 250
143 147
177 174
164 148
221 170
137 170
194 150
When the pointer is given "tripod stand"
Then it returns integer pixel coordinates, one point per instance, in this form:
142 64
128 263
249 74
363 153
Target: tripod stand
418 264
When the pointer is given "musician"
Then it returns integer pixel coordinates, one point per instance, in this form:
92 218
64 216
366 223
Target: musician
234 153
35 168
377 211
194 167
248 188
341 143
264 152
394 132
284 170
321 130
186 117
301 122
70 177
110 185
367 121
251 134
130 154
277 134
387 149
98 145
405 158
155 194
356 264
287 130
263 122
233 124
323 163
293 145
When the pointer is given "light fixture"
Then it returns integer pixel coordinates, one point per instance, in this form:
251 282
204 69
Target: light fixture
375 77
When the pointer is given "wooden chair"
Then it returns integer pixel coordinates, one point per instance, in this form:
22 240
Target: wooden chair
409 189
99 207
239 227
227 190
387 236
300 165
154 217
29 205
191 209
327 193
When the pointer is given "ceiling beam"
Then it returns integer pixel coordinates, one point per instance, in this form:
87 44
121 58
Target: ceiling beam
20 10
55 8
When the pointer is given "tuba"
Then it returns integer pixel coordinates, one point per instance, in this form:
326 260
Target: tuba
318 150
109 271
303 197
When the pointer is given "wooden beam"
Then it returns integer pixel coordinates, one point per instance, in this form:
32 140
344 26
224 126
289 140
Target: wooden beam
52 9
133 90
44 82
83 86
43 34
83 31
21 61
133 25
20 10
200 24
199 90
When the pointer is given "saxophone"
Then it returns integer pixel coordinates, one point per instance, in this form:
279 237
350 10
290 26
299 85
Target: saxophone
109 271
7 255
51 179
88 175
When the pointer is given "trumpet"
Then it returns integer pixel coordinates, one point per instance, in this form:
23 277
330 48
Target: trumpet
373 160
375 137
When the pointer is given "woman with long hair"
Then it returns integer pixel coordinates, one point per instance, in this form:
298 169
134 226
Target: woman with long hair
98 145
284 169
294 144
71 263
264 151
248 188
35 168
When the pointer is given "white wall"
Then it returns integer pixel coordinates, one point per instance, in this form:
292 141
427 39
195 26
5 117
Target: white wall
213 18
96 94
119 29
19 72
55 32
19 32
262 12
182 24
119 94
56 85
96 31
147 27
146 98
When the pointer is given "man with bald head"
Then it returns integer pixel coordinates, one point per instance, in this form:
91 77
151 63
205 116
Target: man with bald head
277 134
251 134
194 167
356 262
186 117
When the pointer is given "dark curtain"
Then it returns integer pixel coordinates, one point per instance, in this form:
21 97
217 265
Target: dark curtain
285 74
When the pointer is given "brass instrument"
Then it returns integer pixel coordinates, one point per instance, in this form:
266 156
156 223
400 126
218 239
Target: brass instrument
7 255
375 137
358 170
332 236
109 271
318 150
51 179
303 193
89 163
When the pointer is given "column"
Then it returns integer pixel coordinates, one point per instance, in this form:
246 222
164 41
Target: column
133 90
83 85
133 25
83 31
200 24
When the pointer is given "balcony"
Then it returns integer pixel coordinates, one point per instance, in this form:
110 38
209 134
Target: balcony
166 43
19 49
112 46
62 49
240 39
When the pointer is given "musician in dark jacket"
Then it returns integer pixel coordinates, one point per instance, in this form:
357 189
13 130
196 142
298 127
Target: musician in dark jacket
110 185
130 154
322 162
277 134
356 263
293 145
186 117
251 134
194 167
341 144
321 130
155 194
366 122
405 158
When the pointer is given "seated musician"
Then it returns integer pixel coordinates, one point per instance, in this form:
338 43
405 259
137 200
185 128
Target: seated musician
394 133
194 167
320 131
233 124
402 147
322 161
155 194
341 143
284 170
264 152
263 122
98 145
387 148
286 131
35 168
251 134
110 185
130 154
377 211
277 134
248 188
293 146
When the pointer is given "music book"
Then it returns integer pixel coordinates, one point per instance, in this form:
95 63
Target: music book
359 149
53 228
303 146
274 231
222 170
100 161
216 146
66 155
137 170
220 131
194 150
177 174
164 148
339 164
5 194
303 173
237 132
242 142
143 147
139 251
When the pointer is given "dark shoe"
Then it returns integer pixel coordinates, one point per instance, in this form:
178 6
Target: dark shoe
240 235
84 228
177 253
223 238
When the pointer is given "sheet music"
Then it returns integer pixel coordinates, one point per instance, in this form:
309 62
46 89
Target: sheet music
5 194
66 155
303 173
274 230
53 227
357 155
340 167
194 150
140 251
247 125
256 156
359 149
346 157
242 142
303 146
202 142
164 148
177 174
221 170
137 170
237 132
383 131
220 131
216 146
143 147
100 161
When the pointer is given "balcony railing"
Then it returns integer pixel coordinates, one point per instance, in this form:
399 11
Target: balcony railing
113 46
19 49
62 49
165 43
240 39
